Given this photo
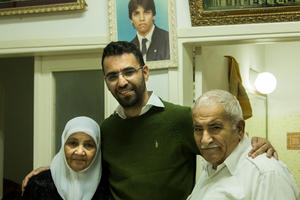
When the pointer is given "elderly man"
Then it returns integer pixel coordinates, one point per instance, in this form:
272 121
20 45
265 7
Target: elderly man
228 171
150 39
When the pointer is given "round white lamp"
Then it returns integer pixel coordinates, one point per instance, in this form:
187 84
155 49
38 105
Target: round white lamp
265 83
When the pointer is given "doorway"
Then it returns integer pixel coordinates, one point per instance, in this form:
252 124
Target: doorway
16 123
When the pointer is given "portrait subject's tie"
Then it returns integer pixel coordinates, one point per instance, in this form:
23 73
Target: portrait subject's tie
144 48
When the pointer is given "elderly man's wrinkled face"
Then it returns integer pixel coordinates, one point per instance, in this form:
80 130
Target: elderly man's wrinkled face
214 133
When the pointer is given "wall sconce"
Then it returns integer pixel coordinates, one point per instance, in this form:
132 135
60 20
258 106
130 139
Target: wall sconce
265 83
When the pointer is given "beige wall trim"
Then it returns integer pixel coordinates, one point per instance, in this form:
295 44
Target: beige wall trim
40 45
180 81
287 29
72 62
43 124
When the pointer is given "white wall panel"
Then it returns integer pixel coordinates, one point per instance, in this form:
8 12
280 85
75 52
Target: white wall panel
90 22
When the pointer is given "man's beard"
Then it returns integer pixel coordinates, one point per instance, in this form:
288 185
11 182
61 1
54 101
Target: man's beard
135 99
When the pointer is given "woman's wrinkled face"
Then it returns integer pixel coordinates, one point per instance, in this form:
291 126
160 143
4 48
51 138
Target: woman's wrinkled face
80 149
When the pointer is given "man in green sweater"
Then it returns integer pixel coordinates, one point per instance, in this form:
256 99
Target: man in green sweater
149 152
148 145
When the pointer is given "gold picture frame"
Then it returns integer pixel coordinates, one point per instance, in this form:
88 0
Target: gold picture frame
119 18
20 7
219 12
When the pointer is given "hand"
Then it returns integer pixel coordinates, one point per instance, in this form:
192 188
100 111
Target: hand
31 174
260 146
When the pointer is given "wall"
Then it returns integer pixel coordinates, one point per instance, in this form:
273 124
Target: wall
212 73
183 14
18 116
158 83
89 23
257 124
284 110
214 66
94 22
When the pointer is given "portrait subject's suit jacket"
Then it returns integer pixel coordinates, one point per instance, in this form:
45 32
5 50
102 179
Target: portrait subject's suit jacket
159 48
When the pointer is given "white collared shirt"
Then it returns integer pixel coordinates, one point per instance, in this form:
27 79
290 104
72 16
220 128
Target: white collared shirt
152 101
241 177
148 37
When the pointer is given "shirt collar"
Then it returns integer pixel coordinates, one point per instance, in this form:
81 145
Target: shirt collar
233 159
148 36
152 101
231 162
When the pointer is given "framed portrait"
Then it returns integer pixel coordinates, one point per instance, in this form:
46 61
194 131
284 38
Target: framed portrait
150 25
17 7
222 12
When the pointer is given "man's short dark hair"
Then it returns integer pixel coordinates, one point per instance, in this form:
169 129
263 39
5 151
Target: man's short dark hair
121 47
146 4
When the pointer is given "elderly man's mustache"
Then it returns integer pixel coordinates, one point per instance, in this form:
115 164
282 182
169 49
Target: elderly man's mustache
209 146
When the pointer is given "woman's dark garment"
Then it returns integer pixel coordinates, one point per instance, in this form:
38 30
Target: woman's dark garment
42 187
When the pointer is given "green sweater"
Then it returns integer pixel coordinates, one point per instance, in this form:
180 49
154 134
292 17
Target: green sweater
152 156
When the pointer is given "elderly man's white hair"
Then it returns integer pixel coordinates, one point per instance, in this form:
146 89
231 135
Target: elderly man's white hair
230 104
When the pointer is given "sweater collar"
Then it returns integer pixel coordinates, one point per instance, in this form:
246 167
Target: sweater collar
152 101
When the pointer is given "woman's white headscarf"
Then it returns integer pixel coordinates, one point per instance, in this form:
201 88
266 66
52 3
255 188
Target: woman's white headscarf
82 185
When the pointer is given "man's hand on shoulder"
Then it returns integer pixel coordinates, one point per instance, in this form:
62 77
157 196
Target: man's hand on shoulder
31 174
260 146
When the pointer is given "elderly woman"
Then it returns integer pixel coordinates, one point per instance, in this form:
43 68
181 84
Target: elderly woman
75 171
